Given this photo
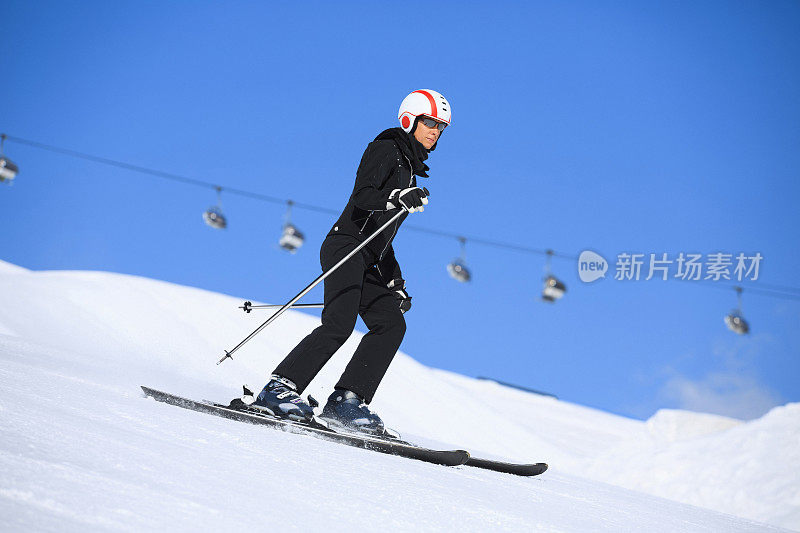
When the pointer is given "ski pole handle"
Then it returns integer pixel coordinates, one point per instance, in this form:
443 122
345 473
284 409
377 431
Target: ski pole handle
313 284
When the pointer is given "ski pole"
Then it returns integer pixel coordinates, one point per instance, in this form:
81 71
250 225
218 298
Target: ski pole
248 306
313 284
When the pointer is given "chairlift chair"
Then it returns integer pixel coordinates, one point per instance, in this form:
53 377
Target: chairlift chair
8 170
291 238
553 290
214 218
736 323
458 267
459 271
213 215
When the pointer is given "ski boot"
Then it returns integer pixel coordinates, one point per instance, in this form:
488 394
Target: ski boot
347 410
280 399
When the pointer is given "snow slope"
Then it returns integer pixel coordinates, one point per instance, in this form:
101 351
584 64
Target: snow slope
80 448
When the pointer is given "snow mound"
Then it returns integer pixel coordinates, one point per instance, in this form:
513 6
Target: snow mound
90 451
676 424
747 469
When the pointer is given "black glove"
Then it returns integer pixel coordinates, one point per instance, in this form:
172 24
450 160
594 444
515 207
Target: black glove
398 288
413 199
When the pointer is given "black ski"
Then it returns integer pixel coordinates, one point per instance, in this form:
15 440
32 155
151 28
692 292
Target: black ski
517 469
441 457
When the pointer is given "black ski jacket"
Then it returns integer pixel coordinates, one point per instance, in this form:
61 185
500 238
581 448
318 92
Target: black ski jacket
390 162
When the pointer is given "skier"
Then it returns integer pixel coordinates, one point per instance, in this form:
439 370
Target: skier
370 283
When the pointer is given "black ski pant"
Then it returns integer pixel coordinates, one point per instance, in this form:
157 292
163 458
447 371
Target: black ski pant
355 288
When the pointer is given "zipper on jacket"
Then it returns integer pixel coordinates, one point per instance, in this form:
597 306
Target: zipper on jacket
411 180
396 224
365 223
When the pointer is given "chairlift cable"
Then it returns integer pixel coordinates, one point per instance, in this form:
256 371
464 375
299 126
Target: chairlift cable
772 290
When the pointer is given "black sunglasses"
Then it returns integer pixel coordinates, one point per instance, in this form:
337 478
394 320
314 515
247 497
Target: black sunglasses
430 123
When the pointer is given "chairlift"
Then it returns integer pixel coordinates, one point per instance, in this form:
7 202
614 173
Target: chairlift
8 170
214 218
735 321
457 268
459 271
554 288
213 215
291 237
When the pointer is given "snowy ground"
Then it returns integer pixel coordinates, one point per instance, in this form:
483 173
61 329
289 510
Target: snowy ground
81 448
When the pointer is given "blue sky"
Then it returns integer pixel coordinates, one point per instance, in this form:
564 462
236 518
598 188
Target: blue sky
616 126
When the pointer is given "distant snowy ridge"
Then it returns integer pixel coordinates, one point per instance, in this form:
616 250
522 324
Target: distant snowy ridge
10 268
676 424
117 331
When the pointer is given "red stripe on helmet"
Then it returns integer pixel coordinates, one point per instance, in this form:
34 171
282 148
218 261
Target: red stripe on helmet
431 100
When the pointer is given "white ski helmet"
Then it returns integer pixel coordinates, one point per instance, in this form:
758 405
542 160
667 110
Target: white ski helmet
423 102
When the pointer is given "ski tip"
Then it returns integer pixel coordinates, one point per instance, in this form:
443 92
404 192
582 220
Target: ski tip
518 469
533 469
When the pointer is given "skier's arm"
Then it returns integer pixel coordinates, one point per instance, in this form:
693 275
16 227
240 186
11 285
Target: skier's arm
376 165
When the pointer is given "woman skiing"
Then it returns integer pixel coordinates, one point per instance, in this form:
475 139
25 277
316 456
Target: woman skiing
370 283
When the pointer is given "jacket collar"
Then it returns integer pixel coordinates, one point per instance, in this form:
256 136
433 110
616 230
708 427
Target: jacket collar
411 148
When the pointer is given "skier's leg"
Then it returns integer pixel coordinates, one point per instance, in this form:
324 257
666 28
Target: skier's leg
342 298
381 313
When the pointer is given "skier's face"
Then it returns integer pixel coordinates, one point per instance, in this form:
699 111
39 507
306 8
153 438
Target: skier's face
426 136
